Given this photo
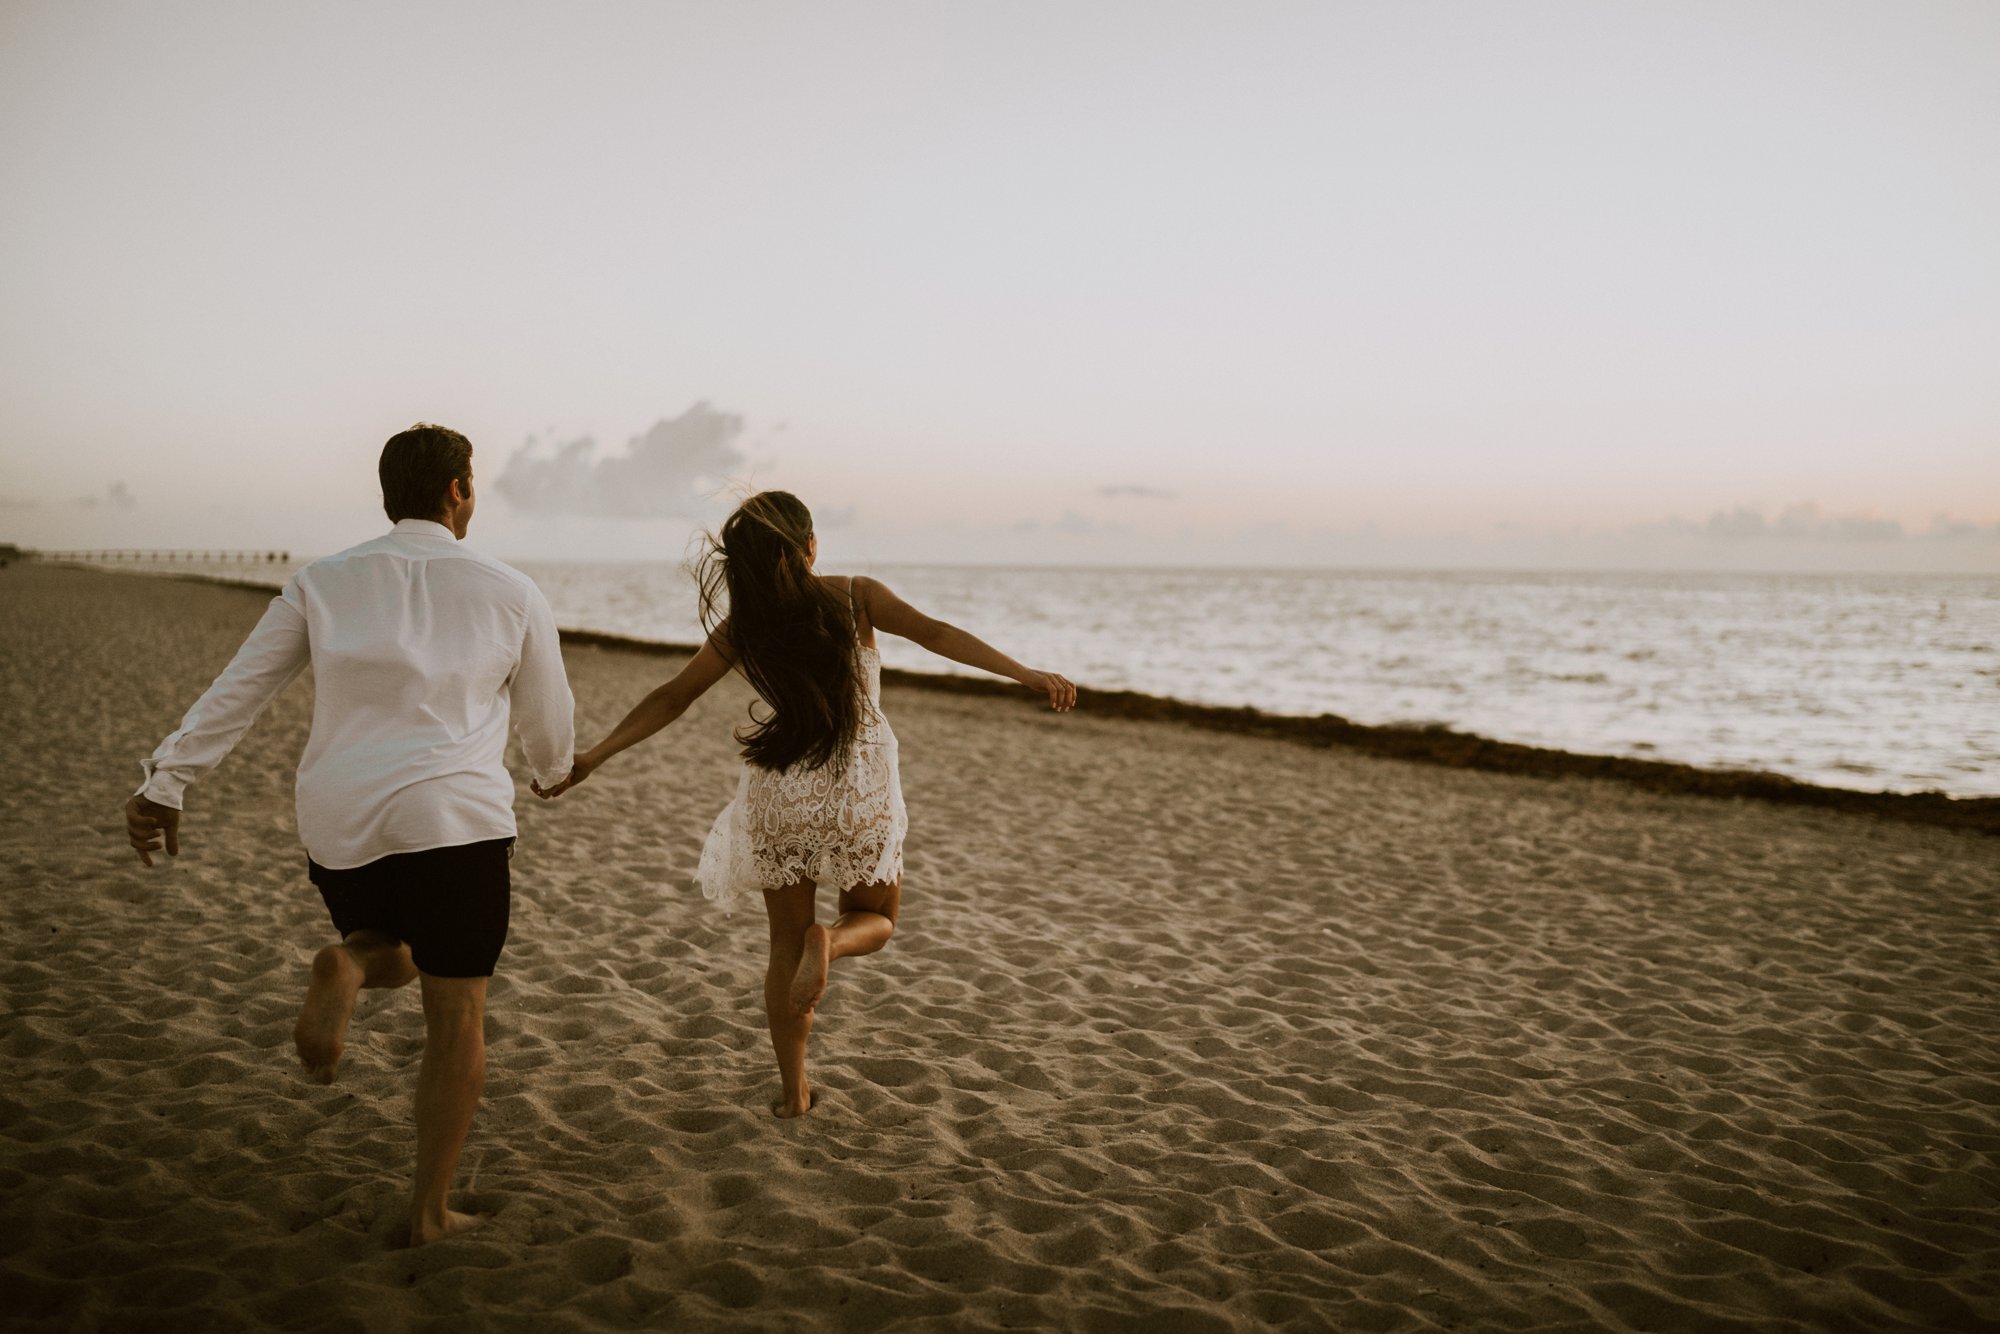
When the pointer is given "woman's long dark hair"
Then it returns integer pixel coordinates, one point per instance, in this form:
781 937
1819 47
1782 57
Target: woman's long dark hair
790 634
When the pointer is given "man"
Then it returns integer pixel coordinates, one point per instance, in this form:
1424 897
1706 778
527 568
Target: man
419 649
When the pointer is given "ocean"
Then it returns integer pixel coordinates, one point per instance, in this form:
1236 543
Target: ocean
1870 682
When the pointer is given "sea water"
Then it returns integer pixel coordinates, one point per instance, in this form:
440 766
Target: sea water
1887 682
1874 682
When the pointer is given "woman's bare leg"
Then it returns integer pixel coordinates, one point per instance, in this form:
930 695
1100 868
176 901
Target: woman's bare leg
339 972
790 911
867 920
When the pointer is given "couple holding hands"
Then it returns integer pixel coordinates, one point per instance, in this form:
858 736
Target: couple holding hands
422 649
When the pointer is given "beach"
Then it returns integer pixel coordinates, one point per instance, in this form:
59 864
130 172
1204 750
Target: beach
1183 1029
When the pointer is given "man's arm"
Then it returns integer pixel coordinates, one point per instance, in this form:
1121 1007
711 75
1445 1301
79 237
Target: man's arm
544 708
275 652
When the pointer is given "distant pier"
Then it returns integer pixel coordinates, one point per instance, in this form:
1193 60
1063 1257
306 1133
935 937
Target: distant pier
162 556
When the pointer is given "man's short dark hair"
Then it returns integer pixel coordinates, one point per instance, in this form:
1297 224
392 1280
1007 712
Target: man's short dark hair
417 465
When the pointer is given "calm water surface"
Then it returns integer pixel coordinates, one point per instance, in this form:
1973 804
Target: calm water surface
1873 682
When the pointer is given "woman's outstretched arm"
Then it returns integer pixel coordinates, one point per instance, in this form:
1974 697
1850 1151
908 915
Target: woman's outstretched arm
888 612
650 714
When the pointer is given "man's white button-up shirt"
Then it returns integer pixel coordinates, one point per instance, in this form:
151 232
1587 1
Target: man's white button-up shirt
419 647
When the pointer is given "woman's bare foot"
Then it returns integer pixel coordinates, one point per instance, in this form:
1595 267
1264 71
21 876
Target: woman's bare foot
785 1109
321 1033
809 982
422 1233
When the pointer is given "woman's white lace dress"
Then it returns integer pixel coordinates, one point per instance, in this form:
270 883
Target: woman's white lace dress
839 826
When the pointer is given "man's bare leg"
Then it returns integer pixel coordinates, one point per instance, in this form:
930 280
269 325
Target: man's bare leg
363 959
448 1084
867 920
791 915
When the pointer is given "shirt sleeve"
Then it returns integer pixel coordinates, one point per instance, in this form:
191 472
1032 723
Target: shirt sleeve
544 708
276 651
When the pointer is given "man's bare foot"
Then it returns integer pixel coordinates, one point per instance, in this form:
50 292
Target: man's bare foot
321 1032
809 982
422 1233
785 1108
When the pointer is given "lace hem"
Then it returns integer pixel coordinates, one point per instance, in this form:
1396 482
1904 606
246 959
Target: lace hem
731 864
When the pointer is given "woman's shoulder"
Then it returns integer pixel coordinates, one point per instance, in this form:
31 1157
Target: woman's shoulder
854 589
855 586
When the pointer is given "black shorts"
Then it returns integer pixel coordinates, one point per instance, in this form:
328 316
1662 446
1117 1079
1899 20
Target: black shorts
449 904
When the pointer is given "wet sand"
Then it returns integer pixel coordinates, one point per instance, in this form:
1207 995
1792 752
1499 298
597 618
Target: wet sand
1186 1029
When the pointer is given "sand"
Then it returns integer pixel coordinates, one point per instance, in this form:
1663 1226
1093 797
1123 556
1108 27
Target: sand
1182 1031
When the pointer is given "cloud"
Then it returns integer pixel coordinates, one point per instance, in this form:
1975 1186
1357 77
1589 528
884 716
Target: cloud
1070 524
18 503
1131 492
1943 529
669 472
117 496
1741 522
1806 522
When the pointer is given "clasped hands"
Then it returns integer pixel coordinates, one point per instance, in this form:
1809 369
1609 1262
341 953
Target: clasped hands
579 769
147 823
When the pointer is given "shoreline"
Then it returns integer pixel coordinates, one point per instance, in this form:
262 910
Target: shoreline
1433 745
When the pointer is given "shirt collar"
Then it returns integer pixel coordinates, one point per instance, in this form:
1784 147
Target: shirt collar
423 528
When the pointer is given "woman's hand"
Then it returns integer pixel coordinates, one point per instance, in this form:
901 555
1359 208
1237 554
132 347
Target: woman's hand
1062 695
579 769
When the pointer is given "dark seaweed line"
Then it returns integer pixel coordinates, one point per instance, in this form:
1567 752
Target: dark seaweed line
1419 745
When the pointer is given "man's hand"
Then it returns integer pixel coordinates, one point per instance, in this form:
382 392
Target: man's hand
145 824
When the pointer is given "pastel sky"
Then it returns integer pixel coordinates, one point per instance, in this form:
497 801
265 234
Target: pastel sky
1684 284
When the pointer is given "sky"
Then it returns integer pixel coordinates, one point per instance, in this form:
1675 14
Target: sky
1488 285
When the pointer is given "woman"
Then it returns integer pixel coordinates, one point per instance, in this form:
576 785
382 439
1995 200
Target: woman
820 800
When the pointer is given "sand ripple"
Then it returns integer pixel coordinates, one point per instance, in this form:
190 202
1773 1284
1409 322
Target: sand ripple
1183 1031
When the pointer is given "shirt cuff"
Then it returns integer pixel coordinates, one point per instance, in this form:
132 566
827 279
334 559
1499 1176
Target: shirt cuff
161 786
555 773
